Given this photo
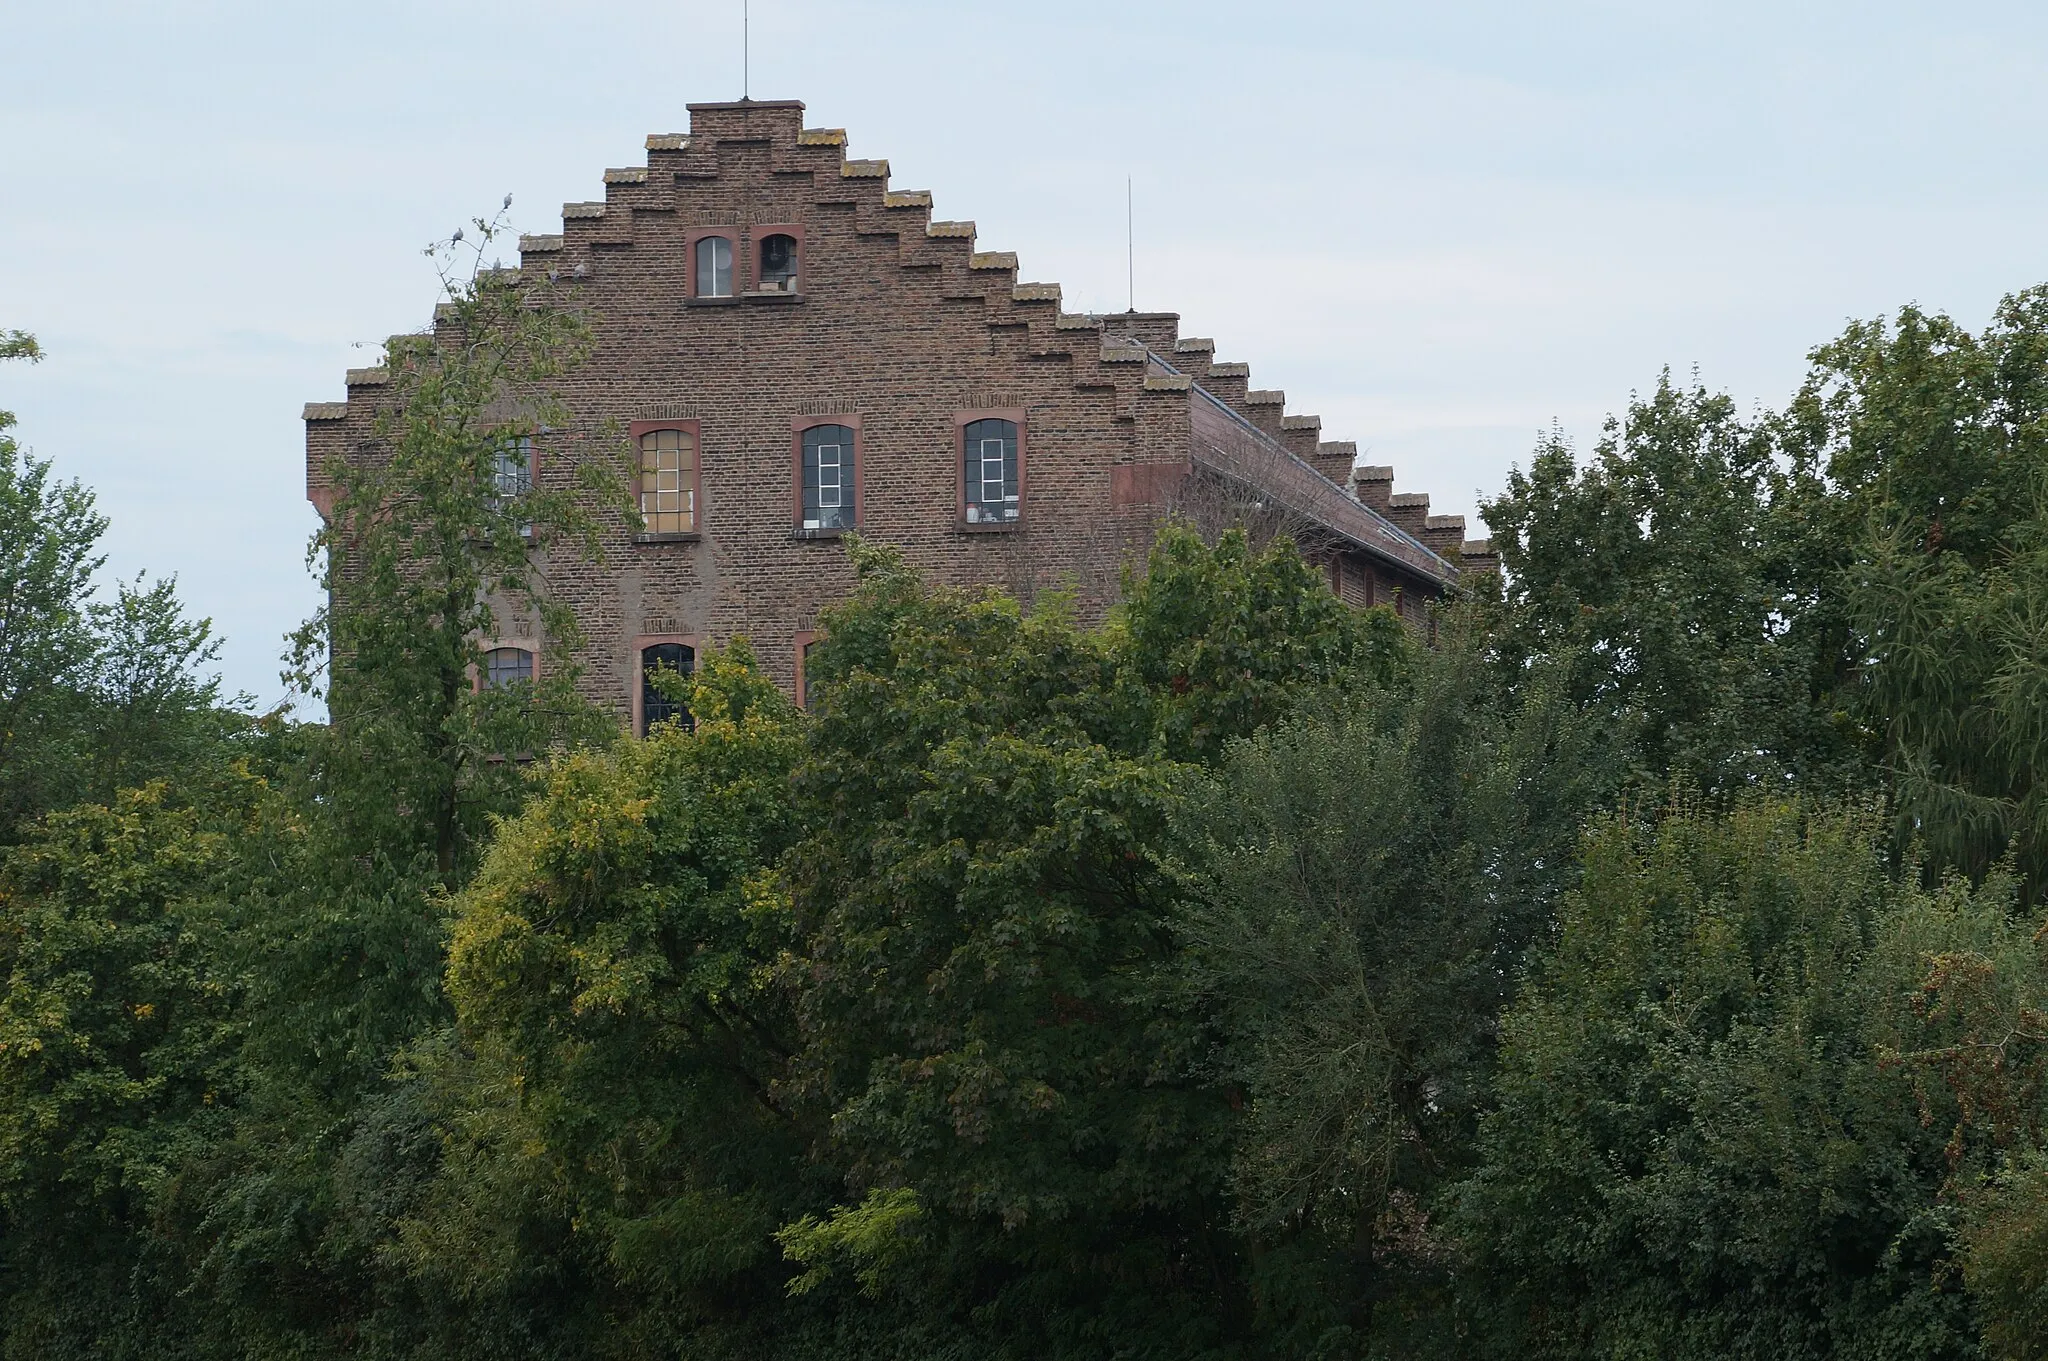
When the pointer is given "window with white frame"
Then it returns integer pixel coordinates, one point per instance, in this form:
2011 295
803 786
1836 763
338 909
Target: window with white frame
512 474
714 267
828 477
989 448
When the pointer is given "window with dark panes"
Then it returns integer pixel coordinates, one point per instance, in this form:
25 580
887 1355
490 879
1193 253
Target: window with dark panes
990 471
714 267
505 666
828 477
778 263
673 660
803 673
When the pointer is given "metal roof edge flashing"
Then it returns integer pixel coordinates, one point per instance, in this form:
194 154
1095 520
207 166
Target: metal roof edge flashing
1380 522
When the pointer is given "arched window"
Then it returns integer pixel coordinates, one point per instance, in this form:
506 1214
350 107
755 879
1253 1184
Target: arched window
989 471
674 659
714 267
668 481
778 264
505 666
828 477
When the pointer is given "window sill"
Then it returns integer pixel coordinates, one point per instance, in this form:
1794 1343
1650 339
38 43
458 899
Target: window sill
692 537
801 533
772 295
988 526
727 301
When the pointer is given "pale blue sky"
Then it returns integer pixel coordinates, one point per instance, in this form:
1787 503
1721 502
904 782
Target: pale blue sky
1442 227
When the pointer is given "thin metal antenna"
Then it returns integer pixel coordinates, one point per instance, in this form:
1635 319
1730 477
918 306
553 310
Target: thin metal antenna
746 50
1130 244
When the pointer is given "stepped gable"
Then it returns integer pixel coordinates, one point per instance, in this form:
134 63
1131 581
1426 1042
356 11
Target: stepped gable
897 319
779 124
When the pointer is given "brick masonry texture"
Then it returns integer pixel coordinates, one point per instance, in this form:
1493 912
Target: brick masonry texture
901 325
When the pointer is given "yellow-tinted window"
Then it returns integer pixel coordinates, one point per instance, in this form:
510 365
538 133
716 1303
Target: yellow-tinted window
668 481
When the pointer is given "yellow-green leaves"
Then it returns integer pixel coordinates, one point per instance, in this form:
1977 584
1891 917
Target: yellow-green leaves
872 1238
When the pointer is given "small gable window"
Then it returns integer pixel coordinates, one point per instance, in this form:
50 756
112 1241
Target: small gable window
507 666
664 659
989 471
828 477
714 267
778 264
668 481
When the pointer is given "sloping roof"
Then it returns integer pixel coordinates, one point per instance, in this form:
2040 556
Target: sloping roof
1253 458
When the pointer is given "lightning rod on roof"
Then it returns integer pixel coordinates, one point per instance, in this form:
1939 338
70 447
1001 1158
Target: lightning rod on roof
1130 245
746 49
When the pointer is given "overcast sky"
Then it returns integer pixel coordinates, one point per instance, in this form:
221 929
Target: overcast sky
1442 226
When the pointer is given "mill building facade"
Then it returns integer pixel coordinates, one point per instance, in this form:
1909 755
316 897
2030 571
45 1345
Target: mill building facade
796 351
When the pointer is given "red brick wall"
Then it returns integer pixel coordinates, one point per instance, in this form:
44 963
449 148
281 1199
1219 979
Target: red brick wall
897 321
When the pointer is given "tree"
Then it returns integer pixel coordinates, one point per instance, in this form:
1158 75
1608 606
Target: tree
342 923
1369 876
1677 566
1015 1086
618 1154
95 695
49 534
155 712
1700 1147
427 553
118 1031
1934 443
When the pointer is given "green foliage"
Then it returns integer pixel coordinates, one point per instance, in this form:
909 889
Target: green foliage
1225 641
1245 976
1936 443
875 1235
427 555
118 1030
613 976
426 558
1700 1148
1370 877
986 902
95 696
2006 1257
48 535
18 345
1676 566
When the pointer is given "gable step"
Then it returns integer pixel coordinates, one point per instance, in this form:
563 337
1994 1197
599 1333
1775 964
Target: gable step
1265 407
1334 458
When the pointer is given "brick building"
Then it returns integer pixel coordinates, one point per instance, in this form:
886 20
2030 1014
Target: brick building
796 350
